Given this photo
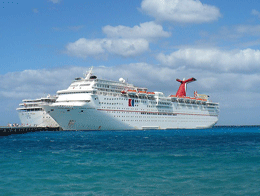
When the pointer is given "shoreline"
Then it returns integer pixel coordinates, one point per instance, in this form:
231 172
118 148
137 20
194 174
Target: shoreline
5 130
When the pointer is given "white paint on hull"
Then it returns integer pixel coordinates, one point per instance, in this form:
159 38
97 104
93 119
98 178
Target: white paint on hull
113 113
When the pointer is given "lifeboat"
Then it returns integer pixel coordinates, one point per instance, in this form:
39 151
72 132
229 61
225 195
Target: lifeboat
142 93
173 97
181 99
192 99
199 100
187 99
131 92
150 94
123 92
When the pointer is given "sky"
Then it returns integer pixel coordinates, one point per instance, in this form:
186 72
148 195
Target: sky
45 44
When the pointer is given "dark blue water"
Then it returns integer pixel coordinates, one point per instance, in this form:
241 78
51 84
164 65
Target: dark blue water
218 161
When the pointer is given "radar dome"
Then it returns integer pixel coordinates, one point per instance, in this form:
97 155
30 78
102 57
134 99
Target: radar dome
122 80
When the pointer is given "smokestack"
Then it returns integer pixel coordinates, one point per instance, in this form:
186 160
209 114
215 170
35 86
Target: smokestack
182 89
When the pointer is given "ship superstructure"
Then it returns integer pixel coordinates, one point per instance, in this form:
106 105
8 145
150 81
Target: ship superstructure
31 113
91 103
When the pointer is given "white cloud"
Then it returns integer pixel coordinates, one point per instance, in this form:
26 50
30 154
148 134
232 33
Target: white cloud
123 47
147 30
84 48
126 47
122 40
214 59
183 11
34 83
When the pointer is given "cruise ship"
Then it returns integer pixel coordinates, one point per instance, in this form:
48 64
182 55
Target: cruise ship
31 113
90 103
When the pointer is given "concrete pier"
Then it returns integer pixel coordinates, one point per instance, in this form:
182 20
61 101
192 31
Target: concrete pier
4 131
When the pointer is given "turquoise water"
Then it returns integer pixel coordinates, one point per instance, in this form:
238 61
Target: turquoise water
218 161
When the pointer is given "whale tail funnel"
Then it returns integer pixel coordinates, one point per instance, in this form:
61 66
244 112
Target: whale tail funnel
183 87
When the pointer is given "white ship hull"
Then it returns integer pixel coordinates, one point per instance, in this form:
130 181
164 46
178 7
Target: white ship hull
36 118
31 113
95 116
30 118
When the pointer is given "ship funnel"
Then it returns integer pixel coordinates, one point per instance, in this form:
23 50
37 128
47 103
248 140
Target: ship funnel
183 87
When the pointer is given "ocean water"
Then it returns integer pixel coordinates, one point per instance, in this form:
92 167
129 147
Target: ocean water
217 161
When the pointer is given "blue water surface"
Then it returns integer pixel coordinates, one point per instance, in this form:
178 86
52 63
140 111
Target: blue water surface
217 161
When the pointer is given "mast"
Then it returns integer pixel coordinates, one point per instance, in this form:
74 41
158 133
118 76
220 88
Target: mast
89 73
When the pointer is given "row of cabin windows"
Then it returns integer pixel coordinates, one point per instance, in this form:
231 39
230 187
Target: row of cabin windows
115 98
107 103
30 110
64 93
107 86
102 85
111 103
109 90
135 100
76 85
142 114
115 93
121 110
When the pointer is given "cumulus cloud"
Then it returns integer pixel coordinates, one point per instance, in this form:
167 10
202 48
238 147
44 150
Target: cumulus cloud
183 11
147 30
34 83
126 47
122 41
84 48
214 59
123 47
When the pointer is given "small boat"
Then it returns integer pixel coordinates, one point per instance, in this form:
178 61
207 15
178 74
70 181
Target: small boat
131 92
124 92
150 94
142 93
